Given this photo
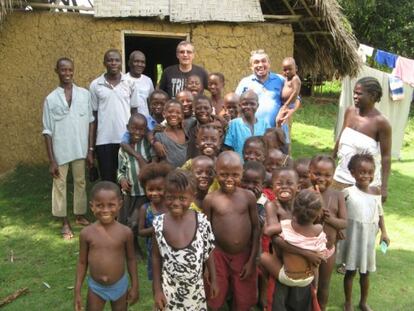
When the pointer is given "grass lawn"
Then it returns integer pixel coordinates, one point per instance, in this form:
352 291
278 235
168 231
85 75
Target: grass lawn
30 235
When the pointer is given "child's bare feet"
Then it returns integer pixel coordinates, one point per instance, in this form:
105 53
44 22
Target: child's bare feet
81 220
364 307
66 232
348 306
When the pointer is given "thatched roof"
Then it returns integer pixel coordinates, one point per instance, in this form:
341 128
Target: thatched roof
324 43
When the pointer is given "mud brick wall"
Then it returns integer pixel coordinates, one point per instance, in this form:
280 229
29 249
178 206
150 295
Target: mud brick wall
30 44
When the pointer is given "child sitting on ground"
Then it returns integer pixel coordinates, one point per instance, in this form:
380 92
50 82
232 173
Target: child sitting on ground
247 125
105 246
173 137
233 215
152 178
365 216
231 107
182 246
254 149
202 168
194 85
301 167
322 169
300 231
216 86
127 175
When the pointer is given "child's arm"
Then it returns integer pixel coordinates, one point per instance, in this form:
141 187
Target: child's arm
158 147
159 297
271 225
142 231
384 235
211 268
121 173
81 269
249 267
338 221
133 294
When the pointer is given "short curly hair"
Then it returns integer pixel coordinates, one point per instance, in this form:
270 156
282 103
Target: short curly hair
153 171
307 206
358 158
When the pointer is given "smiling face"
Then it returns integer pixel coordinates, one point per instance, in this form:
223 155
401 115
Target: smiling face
105 206
194 85
137 128
203 110
229 174
215 85
185 54
137 63
173 114
260 65
253 151
178 201
65 71
253 181
363 174
186 99
208 141
203 170
157 103
274 160
321 175
113 62
154 190
285 185
248 106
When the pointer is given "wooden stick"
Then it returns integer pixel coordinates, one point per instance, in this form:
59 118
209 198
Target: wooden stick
14 296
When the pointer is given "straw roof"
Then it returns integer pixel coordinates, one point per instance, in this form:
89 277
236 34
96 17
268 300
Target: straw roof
324 42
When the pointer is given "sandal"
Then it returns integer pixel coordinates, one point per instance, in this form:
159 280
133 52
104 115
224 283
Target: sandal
82 221
66 232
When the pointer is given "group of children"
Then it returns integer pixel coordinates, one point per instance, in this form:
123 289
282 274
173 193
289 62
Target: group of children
227 215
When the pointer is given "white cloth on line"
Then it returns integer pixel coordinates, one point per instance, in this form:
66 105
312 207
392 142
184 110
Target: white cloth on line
364 51
395 111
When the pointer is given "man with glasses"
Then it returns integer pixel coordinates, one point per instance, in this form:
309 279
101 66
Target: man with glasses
174 77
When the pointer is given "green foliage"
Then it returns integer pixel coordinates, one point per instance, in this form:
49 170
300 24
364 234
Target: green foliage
384 24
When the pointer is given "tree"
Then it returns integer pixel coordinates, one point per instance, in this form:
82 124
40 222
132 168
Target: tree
384 24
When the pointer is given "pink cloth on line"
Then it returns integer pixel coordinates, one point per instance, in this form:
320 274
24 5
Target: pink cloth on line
404 69
315 244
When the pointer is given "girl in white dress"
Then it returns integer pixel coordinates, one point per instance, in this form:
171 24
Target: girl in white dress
365 216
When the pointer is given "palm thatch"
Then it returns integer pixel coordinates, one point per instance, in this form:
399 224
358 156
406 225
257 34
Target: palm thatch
5 7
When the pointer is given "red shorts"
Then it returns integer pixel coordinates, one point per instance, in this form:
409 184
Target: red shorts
228 268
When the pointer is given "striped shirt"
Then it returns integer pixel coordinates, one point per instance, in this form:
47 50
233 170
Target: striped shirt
128 166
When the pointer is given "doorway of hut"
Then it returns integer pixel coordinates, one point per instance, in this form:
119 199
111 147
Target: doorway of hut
159 52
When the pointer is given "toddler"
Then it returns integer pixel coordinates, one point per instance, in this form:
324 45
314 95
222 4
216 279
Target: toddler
216 86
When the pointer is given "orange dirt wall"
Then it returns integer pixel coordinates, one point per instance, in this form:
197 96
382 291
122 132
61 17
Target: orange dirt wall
30 44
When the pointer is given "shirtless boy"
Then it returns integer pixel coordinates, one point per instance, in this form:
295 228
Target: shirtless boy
105 246
233 215
334 218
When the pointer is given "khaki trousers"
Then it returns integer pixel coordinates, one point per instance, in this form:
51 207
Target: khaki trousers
59 201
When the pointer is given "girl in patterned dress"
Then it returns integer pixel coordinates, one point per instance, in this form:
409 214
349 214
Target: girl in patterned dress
182 245
152 178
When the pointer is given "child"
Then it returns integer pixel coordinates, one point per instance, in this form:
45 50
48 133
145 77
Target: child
231 107
247 125
195 85
173 137
182 245
156 102
254 149
216 86
302 169
365 216
186 99
322 169
294 270
275 159
128 170
275 139
202 168
233 215
105 246
152 178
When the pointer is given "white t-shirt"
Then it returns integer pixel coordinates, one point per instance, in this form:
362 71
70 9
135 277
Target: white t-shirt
113 105
143 87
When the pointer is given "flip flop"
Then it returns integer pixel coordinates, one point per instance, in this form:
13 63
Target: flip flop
82 221
67 233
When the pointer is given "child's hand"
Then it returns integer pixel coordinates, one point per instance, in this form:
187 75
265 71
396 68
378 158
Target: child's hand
133 295
125 185
214 289
314 258
385 238
326 215
160 301
160 149
78 302
247 270
54 170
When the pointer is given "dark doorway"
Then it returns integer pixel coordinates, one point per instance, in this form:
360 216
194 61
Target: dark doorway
157 50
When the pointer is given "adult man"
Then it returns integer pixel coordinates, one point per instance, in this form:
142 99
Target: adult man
174 77
143 85
267 85
67 128
113 101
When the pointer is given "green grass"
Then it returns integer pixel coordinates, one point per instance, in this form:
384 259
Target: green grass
28 231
